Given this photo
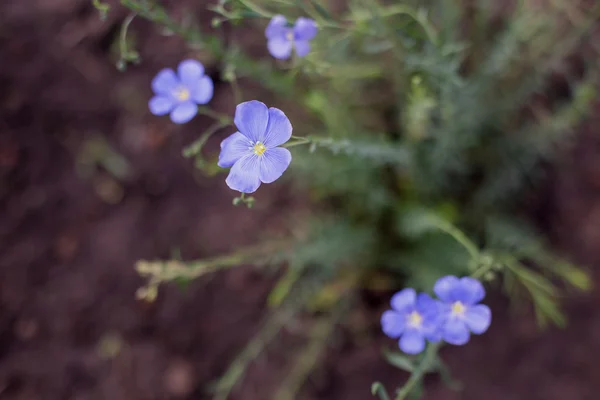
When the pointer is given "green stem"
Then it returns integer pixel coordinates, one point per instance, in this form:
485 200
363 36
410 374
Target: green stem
460 238
418 373
222 118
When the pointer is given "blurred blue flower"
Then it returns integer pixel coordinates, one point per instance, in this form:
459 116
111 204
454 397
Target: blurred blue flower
412 319
461 313
180 94
281 38
252 152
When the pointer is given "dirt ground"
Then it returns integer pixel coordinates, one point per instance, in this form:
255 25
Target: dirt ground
70 235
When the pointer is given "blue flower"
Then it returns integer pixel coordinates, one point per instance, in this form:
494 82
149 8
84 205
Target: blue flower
412 319
252 152
180 94
281 38
461 313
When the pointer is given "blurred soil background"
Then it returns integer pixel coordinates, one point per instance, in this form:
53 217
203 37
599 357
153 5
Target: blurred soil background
90 183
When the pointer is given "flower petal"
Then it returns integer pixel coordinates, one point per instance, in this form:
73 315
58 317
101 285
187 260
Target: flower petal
251 119
190 71
470 291
280 48
161 105
233 148
478 318
184 112
393 324
165 82
305 29
243 176
302 47
277 27
279 128
273 164
202 90
412 342
455 332
404 300
445 287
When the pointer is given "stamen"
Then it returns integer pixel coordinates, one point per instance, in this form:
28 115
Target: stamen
415 319
259 149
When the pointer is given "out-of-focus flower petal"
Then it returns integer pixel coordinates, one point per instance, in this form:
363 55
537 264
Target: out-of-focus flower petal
277 28
233 148
161 105
184 112
445 288
470 291
279 128
202 90
393 323
412 342
243 176
478 318
403 300
190 71
302 47
305 29
455 332
273 164
280 48
165 82
251 119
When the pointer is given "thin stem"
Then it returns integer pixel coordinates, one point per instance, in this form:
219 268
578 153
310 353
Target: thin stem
460 238
223 118
418 373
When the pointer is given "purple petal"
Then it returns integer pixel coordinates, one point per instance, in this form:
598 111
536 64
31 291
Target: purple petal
279 128
302 47
478 318
280 48
277 27
455 332
243 176
392 324
273 164
233 148
184 112
470 291
202 90
165 82
404 300
412 342
445 288
190 71
251 119
305 29
161 105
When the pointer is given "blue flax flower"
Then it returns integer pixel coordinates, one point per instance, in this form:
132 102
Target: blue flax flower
281 38
412 319
252 152
461 313
180 93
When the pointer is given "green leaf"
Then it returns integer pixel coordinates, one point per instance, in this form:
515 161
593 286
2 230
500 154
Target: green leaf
321 10
399 360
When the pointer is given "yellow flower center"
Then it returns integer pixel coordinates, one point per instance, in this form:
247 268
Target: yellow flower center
415 319
259 149
182 94
458 308
290 35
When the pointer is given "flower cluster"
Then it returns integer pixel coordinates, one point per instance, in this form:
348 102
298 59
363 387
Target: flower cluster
417 318
253 153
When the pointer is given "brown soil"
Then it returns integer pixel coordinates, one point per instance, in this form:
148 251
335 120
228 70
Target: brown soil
70 326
